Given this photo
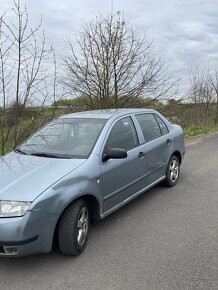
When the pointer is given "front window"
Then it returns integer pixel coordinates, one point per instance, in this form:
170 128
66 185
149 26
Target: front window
64 138
123 135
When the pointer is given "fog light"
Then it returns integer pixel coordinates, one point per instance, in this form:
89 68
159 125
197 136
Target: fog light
11 250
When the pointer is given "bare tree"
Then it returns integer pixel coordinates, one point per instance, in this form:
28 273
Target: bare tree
111 66
28 75
203 94
214 84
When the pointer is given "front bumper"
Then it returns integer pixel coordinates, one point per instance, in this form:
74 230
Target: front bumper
31 234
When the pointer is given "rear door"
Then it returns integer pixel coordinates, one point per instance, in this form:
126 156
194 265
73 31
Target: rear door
122 178
157 146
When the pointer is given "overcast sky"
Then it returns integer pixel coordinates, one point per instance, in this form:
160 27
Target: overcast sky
183 31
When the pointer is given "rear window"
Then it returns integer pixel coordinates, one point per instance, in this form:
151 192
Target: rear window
163 126
149 125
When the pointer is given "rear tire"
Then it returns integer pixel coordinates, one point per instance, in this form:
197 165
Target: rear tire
73 228
173 172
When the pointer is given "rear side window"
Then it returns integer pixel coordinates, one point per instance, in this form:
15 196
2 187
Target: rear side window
149 125
123 135
163 126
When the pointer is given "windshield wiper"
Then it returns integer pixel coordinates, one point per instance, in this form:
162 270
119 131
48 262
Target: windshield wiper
18 150
42 154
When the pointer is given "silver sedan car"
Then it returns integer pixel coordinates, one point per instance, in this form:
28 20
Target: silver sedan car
82 167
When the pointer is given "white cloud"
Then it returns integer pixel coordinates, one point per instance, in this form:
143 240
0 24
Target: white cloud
183 30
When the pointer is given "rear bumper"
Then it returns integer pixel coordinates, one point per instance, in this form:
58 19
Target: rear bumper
31 234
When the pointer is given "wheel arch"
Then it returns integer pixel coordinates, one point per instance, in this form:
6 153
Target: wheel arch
178 155
94 208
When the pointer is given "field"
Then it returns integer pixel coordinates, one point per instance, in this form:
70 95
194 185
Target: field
194 119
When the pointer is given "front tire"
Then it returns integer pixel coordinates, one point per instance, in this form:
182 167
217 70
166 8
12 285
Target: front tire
73 228
173 172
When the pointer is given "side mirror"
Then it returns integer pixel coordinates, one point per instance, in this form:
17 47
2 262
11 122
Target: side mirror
114 153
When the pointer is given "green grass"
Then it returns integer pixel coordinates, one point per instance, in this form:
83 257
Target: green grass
198 131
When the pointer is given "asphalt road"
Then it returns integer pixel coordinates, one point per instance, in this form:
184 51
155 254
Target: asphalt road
165 239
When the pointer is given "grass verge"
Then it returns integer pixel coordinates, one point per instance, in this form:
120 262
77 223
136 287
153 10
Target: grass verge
198 131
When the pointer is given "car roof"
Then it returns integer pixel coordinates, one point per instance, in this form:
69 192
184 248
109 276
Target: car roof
106 113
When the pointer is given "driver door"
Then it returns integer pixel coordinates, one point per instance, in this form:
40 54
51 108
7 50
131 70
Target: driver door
122 178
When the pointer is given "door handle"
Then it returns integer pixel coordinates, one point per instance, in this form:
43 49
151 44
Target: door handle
141 154
168 141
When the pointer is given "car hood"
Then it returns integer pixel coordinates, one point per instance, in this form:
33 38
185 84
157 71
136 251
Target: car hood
24 177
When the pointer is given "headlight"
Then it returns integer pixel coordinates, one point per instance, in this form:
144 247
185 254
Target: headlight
13 208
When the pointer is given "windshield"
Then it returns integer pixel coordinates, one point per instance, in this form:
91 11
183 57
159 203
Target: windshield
64 138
